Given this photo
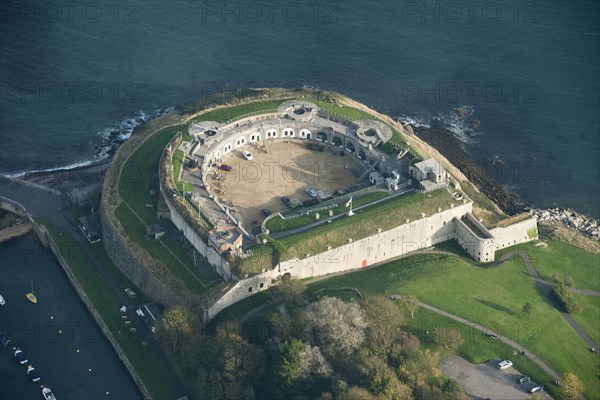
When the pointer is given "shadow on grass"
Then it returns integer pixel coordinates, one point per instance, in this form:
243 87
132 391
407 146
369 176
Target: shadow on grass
496 306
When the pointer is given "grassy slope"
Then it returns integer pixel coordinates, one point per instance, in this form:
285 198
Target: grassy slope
490 296
566 260
589 316
146 363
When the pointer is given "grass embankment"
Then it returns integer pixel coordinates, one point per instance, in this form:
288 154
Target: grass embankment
178 161
240 111
145 361
354 114
484 209
589 316
364 223
278 224
493 297
139 188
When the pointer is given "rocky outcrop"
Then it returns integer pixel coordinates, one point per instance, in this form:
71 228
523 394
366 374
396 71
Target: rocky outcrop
586 225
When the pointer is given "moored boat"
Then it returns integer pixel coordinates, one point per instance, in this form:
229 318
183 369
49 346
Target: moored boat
2 301
48 395
5 340
20 356
31 296
32 374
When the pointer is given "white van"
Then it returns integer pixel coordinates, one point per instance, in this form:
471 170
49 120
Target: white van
505 364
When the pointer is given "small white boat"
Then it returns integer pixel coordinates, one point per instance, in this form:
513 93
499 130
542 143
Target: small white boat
48 395
32 374
2 302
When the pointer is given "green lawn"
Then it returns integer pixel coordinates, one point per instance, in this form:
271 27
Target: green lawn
178 160
239 111
565 260
190 276
278 224
492 297
589 316
146 362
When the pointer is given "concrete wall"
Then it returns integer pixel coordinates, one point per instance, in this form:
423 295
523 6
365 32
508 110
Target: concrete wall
478 248
212 257
151 277
382 246
514 234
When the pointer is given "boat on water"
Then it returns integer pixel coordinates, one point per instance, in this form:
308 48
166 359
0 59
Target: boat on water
48 395
32 374
20 356
5 340
2 302
31 296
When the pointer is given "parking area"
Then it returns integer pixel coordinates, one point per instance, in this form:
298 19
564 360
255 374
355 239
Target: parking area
289 169
486 381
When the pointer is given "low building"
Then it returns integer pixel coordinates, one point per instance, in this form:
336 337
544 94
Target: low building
430 174
226 237
154 232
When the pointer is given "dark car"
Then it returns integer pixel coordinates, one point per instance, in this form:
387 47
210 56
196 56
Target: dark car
523 379
286 201
225 167
311 202
266 212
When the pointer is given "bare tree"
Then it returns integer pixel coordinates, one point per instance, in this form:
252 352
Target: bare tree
412 304
338 326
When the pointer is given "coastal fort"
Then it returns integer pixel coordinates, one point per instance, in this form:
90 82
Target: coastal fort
285 184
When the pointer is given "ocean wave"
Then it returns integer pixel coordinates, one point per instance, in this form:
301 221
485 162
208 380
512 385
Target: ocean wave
457 121
112 138
414 121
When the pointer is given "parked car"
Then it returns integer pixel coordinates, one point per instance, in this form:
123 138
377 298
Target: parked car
312 192
266 212
505 364
247 155
225 167
310 202
523 379
535 388
286 201
131 293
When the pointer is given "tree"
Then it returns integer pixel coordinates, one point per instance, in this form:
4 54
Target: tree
569 281
528 309
338 326
384 319
289 289
303 362
358 393
449 338
571 386
380 379
412 304
176 324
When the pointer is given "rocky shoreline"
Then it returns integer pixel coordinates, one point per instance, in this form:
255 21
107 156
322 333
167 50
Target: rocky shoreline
586 225
444 141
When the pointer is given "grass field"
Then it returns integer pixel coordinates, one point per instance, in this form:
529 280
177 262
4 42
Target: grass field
565 260
492 297
178 160
145 362
589 316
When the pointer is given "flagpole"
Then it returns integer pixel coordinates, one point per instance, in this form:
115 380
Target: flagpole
350 213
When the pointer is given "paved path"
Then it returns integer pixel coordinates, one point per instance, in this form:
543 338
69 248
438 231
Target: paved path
52 207
546 288
504 339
